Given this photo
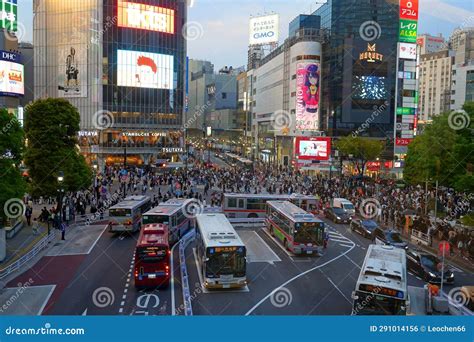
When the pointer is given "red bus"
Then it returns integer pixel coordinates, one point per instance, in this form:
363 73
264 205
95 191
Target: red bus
152 257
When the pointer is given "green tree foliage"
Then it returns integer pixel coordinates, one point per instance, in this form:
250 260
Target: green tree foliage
361 149
12 184
51 127
444 152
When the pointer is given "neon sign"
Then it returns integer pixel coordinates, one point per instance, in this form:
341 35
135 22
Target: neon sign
145 17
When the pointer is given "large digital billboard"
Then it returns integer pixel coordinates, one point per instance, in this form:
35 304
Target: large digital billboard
12 77
264 30
145 17
8 15
318 148
307 96
144 70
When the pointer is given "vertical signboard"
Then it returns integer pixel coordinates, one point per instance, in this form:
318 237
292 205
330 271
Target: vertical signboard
307 96
9 15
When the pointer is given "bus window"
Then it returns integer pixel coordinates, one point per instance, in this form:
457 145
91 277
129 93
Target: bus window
232 202
241 203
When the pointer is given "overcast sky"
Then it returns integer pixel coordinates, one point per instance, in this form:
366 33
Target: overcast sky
221 26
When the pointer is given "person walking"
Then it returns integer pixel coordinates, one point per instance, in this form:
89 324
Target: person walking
28 213
63 230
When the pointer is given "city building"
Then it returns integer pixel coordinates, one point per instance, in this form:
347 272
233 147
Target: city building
434 84
360 63
462 88
431 44
462 44
122 64
27 53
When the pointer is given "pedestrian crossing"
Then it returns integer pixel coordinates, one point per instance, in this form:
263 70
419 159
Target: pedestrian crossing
338 238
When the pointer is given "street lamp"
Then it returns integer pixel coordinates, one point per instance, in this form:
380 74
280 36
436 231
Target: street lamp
60 198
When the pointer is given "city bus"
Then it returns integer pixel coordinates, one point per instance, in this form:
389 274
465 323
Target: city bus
381 288
253 206
221 254
299 231
172 214
234 159
126 215
152 257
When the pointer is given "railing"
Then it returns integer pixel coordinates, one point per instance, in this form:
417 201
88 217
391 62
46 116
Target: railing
420 238
89 219
255 223
185 241
42 244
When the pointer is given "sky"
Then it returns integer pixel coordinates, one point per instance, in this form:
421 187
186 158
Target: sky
218 29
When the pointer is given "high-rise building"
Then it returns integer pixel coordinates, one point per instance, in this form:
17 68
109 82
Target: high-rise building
434 84
431 44
122 64
462 44
360 63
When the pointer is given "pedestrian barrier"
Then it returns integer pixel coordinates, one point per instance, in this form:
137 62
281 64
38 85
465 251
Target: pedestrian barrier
185 241
254 223
42 244
420 238
89 219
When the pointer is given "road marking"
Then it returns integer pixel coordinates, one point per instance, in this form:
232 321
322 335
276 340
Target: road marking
339 240
84 313
206 290
53 287
275 256
97 239
120 310
348 246
173 300
276 242
353 262
339 290
294 278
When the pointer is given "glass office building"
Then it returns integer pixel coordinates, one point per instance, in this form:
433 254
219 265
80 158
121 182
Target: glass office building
122 64
359 70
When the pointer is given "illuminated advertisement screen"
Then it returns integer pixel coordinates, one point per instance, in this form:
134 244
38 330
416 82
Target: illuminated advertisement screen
408 30
144 70
9 15
313 148
407 51
145 17
12 77
369 88
307 96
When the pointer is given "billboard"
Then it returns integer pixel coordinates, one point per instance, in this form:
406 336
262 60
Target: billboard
307 96
145 17
12 77
409 9
144 70
307 148
407 51
264 30
72 70
9 15
408 30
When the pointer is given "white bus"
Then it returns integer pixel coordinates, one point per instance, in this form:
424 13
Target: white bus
171 213
236 160
126 215
253 206
299 231
382 284
220 251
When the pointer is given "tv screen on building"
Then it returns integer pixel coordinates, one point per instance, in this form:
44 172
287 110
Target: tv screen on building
369 88
313 148
11 78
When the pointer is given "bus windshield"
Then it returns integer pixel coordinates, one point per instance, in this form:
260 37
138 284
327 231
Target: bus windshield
155 219
226 263
372 304
120 212
308 232
151 254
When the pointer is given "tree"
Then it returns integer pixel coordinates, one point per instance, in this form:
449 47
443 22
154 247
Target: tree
12 139
51 127
444 152
361 149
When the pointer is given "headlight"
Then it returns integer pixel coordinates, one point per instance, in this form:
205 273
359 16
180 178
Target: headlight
432 275
337 217
452 275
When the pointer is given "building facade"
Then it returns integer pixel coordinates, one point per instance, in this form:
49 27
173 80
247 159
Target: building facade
434 84
431 44
462 89
122 64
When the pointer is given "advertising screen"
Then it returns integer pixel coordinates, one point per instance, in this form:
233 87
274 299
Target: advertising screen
407 51
264 30
11 78
369 88
145 17
313 148
307 96
144 70
9 15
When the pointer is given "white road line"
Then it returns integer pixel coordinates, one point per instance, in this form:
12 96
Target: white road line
340 240
173 300
342 245
353 262
294 278
339 290
53 287
95 242
291 255
122 303
120 310
276 257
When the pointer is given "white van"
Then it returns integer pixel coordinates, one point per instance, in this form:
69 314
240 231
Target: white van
344 204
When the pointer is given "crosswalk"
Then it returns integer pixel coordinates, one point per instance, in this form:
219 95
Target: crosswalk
341 240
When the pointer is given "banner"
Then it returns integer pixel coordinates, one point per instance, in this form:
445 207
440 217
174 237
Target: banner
307 96
72 70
